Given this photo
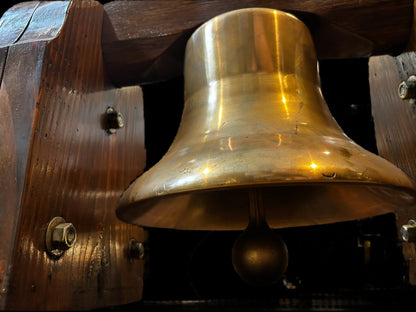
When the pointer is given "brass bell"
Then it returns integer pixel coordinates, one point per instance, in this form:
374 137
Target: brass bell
257 141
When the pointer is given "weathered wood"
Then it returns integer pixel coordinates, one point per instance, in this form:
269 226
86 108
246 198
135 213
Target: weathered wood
14 22
395 127
17 104
144 41
394 118
8 191
57 160
46 13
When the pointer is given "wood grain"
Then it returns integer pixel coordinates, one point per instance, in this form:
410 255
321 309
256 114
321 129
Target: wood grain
8 187
18 102
59 161
395 127
394 118
144 41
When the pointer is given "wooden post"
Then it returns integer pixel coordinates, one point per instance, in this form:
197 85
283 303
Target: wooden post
57 159
395 128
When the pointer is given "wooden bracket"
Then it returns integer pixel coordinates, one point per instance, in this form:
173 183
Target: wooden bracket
56 159
144 41
395 128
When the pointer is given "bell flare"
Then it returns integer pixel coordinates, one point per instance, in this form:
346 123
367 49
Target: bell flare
255 118
287 205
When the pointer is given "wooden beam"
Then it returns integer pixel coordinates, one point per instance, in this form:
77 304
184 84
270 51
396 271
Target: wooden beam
395 128
58 160
144 41
14 22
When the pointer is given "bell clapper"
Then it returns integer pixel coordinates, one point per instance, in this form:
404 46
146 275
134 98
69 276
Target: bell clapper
259 255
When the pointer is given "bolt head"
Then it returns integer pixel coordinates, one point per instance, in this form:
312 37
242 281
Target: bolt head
64 236
407 89
403 90
120 120
114 120
136 250
408 231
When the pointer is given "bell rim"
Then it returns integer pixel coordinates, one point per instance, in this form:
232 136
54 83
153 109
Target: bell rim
130 211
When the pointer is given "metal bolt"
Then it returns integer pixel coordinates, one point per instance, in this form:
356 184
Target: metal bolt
407 89
64 236
60 236
408 231
136 250
114 120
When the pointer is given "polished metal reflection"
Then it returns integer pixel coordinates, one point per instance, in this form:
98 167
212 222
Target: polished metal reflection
255 117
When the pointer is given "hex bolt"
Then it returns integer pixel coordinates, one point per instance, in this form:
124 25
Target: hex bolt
64 236
407 89
136 250
114 120
408 231
60 236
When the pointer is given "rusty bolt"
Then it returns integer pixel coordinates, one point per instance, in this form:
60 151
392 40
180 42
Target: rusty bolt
408 231
407 89
64 236
60 236
136 250
114 120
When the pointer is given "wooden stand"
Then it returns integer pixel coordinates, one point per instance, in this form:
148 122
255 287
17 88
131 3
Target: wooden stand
57 159
395 128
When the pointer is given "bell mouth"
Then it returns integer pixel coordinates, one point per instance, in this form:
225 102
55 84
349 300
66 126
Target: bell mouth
286 205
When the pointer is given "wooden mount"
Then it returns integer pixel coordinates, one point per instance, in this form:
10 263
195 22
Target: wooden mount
57 160
144 41
395 128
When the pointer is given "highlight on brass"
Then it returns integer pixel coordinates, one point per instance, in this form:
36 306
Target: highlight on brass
257 147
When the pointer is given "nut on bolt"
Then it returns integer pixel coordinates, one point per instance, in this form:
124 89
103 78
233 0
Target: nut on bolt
64 236
407 89
114 120
60 236
408 231
136 250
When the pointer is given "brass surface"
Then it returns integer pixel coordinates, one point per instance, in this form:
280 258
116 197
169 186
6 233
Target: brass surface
254 117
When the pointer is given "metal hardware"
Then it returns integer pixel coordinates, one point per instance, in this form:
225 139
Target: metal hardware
114 120
136 250
60 236
408 231
407 89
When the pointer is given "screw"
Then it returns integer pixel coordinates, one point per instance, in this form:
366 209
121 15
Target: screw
114 120
408 231
136 250
407 89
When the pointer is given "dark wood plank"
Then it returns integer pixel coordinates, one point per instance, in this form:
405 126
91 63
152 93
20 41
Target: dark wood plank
144 41
8 188
394 118
59 161
395 127
18 101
